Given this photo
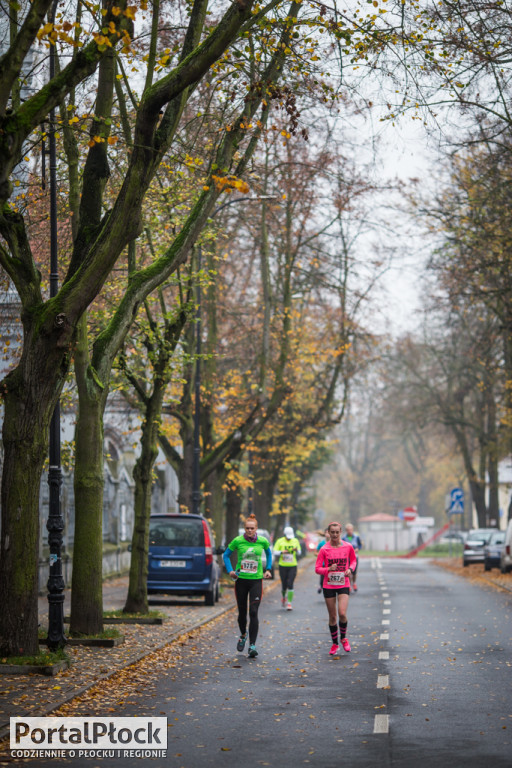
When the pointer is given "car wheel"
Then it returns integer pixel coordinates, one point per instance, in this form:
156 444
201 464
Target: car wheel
217 592
465 563
487 567
209 598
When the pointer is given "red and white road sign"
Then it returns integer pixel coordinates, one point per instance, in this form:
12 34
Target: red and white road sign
410 513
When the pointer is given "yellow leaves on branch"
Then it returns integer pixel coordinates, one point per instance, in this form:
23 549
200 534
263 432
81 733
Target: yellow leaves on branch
59 32
230 182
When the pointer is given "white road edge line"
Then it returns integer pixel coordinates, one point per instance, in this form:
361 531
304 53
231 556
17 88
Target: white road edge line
382 681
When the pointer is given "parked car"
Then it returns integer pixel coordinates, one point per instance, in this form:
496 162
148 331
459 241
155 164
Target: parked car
506 552
492 550
263 532
182 557
473 551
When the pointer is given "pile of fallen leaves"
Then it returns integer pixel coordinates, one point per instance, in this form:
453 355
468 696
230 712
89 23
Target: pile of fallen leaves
476 573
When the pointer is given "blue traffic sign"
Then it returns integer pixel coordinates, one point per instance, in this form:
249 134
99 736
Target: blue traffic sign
456 502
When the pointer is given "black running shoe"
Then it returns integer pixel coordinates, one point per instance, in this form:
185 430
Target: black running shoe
241 642
252 651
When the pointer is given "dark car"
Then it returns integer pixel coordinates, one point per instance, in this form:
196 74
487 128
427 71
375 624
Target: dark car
473 551
492 550
182 557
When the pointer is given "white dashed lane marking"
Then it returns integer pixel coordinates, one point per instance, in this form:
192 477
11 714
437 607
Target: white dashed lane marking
381 724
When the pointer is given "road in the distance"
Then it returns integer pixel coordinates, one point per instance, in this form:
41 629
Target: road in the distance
428 681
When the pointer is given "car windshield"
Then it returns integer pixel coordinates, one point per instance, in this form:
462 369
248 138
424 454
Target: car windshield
176 532
480 535
497 538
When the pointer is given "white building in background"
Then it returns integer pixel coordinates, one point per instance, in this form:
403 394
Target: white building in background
386 533
504 490
121 445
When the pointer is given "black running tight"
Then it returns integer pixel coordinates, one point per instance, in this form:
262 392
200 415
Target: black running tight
252 589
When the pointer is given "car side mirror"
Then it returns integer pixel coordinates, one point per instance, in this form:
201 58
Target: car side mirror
220 550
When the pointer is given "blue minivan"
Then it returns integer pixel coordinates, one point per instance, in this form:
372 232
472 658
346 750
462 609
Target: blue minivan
182 557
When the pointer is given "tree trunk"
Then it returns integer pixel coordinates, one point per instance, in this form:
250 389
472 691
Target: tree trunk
185 475
87 579
265 482
29 401
214 501
25 446
492 460
233 512
137 598
478 496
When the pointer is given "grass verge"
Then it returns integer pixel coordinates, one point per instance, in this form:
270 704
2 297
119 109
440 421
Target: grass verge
119 614
42 659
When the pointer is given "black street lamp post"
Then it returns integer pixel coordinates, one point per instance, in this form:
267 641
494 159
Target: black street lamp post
196 474
55 523
196 484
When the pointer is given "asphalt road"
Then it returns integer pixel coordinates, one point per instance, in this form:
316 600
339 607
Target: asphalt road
428 682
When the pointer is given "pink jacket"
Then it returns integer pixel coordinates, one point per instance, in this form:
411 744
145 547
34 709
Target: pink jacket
344 557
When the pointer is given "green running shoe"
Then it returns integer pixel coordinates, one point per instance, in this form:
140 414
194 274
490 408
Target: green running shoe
252 651
241 642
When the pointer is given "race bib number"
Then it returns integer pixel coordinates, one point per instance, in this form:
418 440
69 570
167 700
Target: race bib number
287 557
336 577
249 566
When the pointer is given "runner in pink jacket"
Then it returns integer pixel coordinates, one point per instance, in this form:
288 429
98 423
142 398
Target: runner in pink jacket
335 562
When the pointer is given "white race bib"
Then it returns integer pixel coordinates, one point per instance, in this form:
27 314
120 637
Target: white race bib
249 566
287 557
336 577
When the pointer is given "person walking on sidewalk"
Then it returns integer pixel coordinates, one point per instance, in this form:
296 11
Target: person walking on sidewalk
287 548
335 561
248 575
355 540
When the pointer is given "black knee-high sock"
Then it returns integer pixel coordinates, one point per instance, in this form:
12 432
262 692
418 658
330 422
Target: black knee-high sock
343 630
333 629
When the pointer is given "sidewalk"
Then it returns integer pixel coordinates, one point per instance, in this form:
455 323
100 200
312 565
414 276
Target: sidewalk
35 695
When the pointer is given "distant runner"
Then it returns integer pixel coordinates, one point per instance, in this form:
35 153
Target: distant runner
355 540
287 548
335 561
248 574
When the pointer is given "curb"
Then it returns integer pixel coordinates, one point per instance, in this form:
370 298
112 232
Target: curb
4 730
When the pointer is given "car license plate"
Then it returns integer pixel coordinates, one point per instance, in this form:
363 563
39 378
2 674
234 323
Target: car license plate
173 564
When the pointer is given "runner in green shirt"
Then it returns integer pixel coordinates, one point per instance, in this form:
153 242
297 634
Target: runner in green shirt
287 548
249 576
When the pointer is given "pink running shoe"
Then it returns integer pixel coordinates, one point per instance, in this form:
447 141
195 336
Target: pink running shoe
289 607
346 645
334 650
